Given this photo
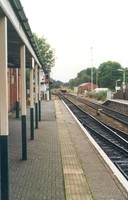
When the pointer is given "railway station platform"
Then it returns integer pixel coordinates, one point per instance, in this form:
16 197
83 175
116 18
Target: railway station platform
118 104
62 163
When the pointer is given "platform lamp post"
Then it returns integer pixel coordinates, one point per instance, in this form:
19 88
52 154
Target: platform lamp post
91 69
123 84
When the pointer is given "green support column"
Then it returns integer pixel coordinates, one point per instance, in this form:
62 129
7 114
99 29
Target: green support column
24 137
36 97
17 109
31 103
49 90
10 89
32 123
36 115
23 103
4 168
40 110
39 96
17 98
4 111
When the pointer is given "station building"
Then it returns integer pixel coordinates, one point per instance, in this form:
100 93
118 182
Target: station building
85 87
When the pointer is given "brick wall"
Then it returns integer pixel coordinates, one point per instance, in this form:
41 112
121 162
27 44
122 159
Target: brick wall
12 88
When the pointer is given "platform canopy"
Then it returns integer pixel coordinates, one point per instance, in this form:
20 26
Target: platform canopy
18 33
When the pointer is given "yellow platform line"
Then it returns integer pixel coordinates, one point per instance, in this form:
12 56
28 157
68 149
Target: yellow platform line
76 186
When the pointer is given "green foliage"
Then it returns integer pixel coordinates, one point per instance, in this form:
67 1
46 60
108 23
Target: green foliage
56 84
104 76
83 76
100 96
108 74
72 83
47 53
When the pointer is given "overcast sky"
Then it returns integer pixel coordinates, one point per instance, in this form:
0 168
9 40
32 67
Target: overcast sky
72 27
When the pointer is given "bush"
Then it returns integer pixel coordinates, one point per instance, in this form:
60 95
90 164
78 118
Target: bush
100 96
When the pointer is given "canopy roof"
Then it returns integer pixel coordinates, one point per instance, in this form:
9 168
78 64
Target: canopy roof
18 33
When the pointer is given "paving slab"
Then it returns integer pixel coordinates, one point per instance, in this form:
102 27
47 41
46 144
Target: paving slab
40 176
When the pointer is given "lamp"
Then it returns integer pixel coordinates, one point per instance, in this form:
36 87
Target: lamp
116 88
123 84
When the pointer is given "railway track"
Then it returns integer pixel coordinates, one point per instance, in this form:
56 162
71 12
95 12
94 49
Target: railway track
114 145
103 109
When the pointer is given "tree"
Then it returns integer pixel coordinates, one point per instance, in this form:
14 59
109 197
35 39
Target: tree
83 76
108 74
56 84
103 76
47 53
71 83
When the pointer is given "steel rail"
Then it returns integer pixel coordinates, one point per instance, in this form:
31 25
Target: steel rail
123 118
112 144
